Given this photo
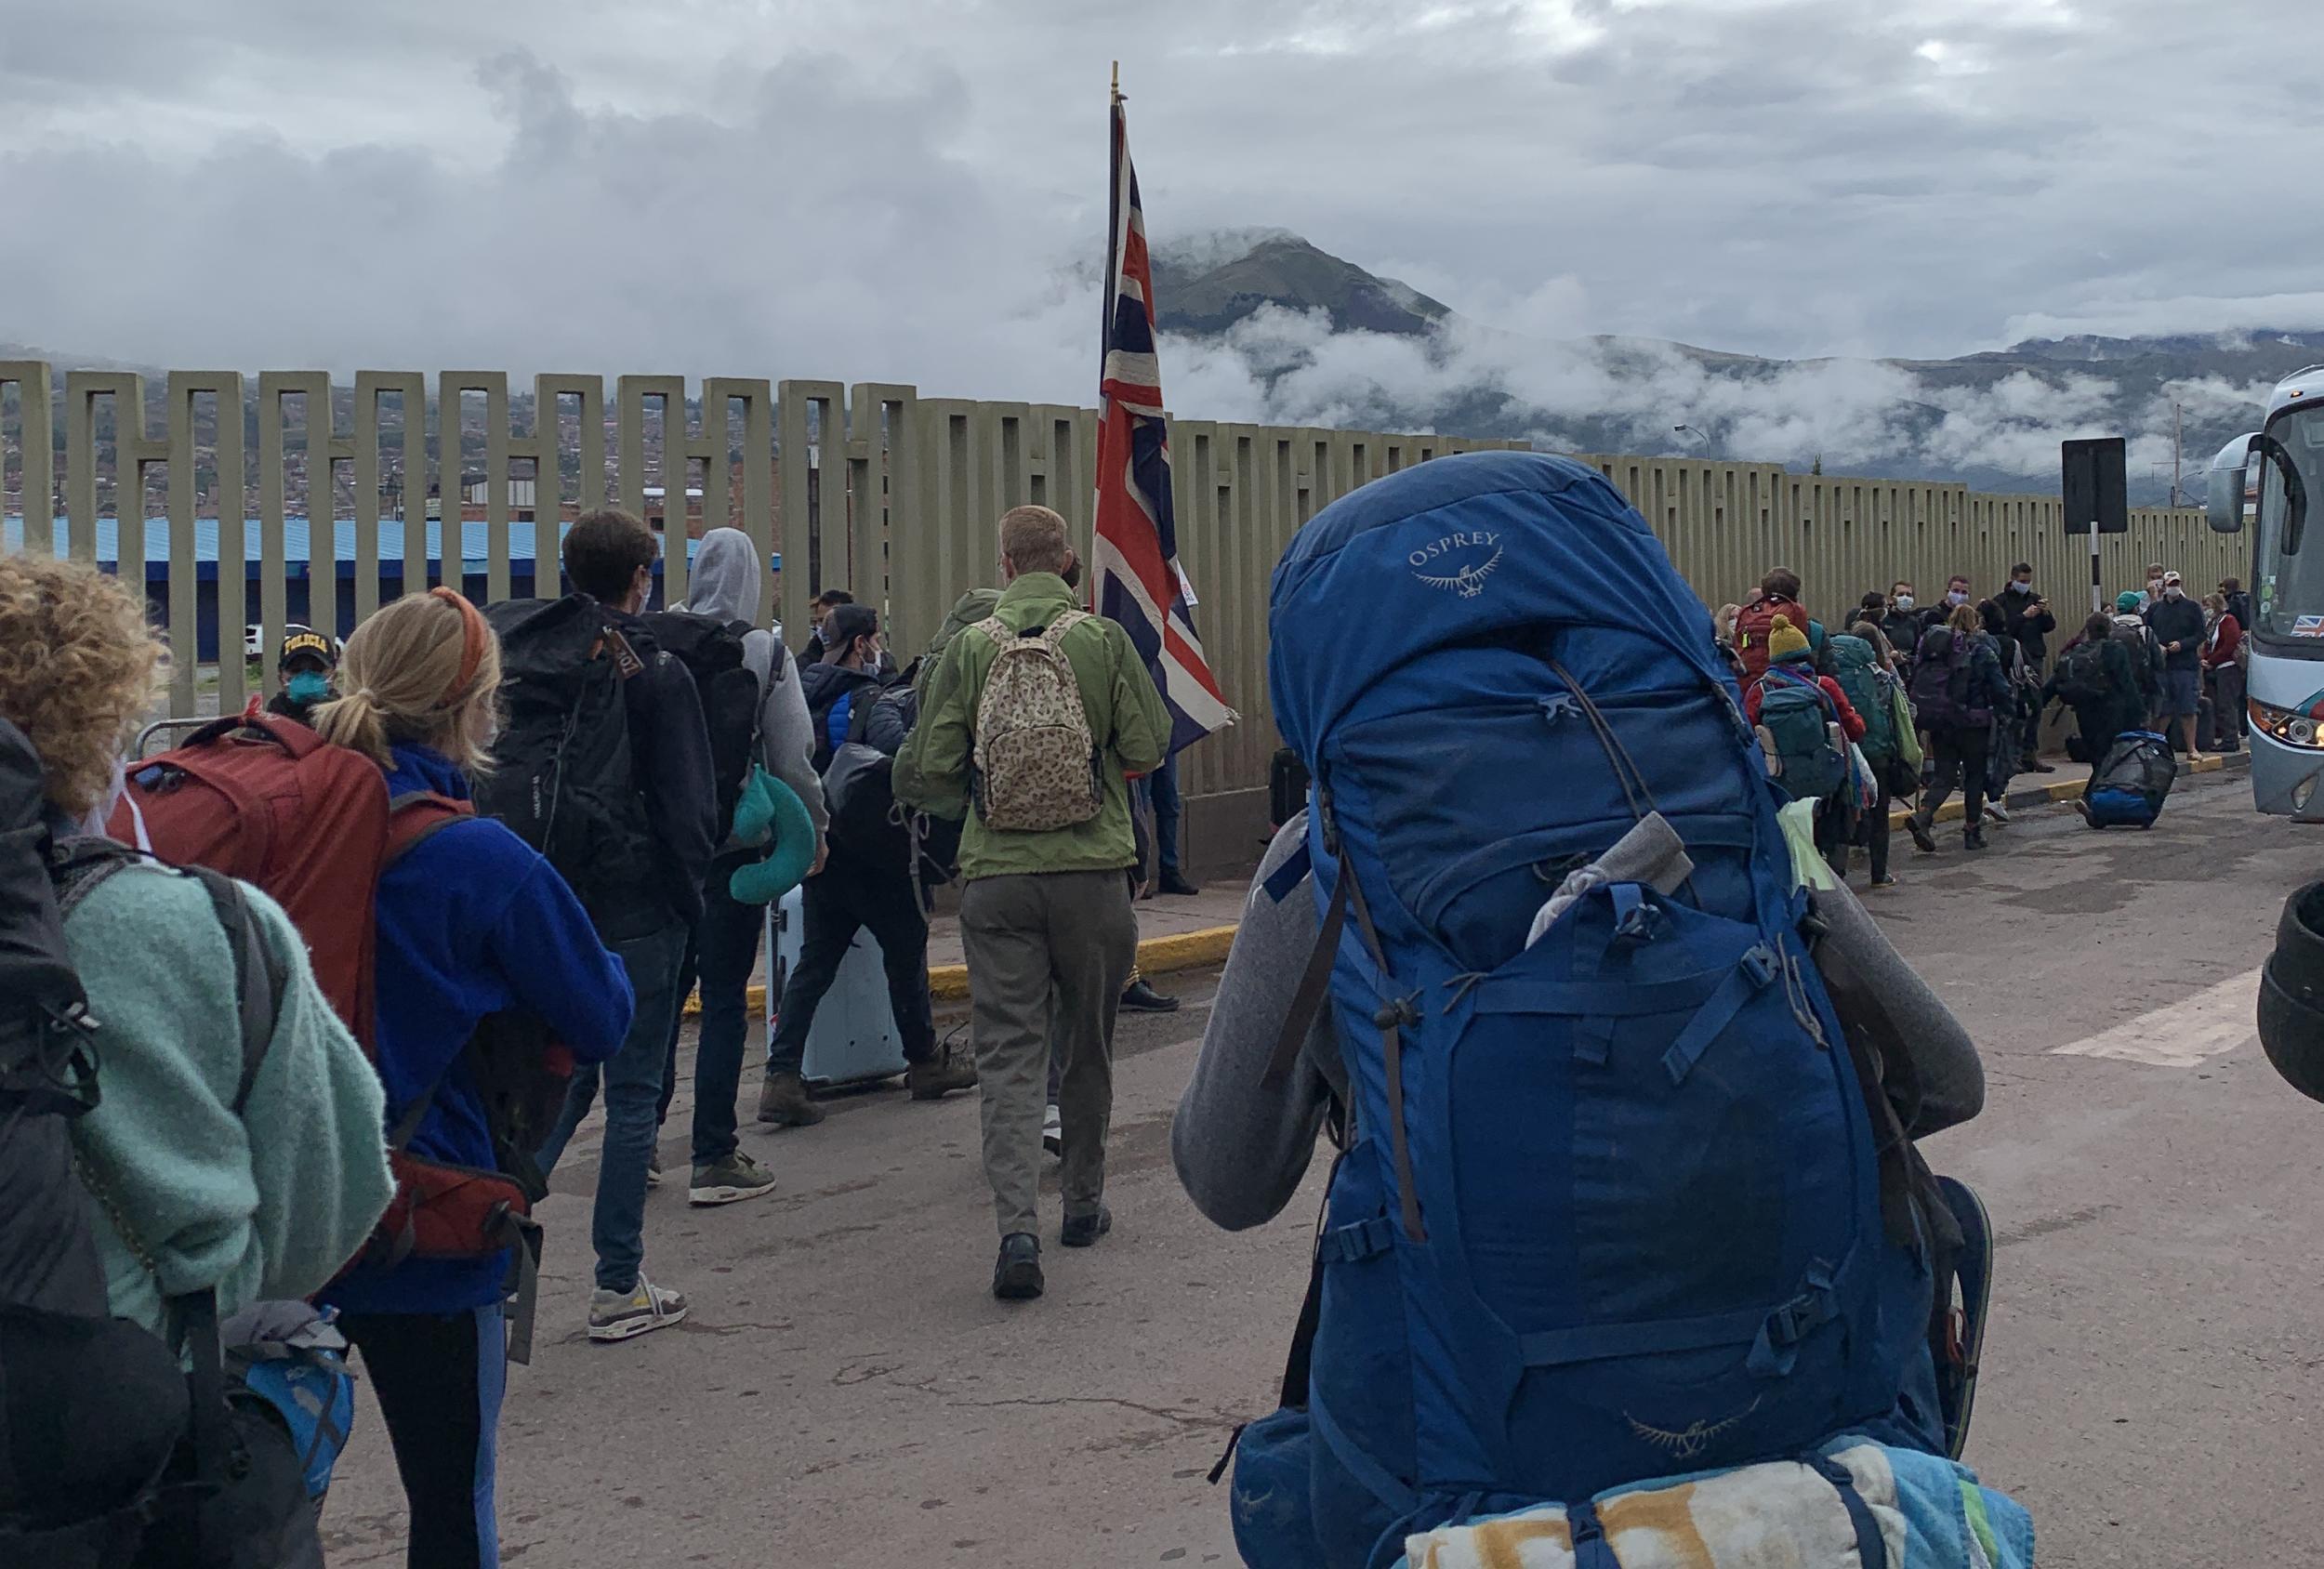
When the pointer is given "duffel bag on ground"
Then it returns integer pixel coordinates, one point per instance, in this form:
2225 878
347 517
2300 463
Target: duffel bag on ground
2129 788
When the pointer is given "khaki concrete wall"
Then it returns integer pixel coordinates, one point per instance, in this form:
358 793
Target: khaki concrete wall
872 488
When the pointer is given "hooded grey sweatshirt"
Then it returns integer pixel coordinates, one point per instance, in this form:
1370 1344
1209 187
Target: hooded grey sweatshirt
726 582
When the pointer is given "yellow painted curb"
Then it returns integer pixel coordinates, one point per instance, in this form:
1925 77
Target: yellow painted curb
1156 955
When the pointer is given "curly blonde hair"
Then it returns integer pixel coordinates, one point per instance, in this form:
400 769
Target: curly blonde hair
79 669
401 679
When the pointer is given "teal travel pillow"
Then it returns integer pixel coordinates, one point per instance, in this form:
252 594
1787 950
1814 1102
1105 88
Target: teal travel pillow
769 806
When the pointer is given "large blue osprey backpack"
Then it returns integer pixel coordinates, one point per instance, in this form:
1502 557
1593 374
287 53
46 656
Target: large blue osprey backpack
1609 1208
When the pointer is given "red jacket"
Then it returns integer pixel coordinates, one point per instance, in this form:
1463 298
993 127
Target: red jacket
2220 649
1851 722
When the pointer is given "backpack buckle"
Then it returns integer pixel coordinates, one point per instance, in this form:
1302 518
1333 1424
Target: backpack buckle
1760 965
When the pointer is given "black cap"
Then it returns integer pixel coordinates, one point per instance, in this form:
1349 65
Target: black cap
305 642
847 623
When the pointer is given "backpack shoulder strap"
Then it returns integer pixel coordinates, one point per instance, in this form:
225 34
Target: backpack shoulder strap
995 629
414 815
259 977
85 865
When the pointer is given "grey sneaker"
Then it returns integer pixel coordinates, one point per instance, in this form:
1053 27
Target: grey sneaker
653 1169
624 1315
729 1182
1053 1132
1995 812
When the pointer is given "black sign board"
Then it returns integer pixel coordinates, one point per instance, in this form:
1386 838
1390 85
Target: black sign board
2097 486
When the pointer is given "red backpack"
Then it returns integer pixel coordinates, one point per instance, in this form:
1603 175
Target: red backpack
1754 624
266 799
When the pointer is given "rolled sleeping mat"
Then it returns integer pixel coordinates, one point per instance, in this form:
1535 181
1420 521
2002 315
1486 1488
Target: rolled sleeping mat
2292 993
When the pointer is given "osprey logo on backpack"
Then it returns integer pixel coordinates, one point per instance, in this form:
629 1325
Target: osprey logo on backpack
1468 579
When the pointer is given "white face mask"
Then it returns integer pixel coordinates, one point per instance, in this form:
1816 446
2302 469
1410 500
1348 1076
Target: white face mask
2019 587
2171 591
1904 602
1958 597
2154 586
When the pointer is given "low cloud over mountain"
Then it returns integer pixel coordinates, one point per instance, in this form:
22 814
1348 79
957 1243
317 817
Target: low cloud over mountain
1263 325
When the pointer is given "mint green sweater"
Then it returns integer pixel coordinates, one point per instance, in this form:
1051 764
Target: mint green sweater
270 1205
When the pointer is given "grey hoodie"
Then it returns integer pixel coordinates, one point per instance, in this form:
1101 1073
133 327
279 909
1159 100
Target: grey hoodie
726 582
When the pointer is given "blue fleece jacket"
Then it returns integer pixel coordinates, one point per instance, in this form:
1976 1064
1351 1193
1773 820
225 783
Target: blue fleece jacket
471 921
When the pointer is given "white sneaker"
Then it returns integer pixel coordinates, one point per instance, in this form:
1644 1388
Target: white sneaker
624 1315
1995 812
1053 1133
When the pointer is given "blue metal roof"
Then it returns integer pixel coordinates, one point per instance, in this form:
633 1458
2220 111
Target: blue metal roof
297 542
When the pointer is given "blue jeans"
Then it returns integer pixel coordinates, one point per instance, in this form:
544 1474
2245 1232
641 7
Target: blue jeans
633 1087
720 959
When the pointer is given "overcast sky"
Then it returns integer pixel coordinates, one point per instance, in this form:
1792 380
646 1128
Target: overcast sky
901 190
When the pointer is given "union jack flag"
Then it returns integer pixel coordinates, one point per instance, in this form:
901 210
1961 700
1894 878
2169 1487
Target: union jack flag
1137 581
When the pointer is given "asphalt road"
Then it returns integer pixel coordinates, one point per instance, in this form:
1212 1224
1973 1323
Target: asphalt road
847 1392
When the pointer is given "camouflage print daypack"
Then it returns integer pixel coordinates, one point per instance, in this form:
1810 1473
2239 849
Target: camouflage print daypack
1036 764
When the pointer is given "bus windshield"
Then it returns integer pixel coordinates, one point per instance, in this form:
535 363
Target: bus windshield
2290 586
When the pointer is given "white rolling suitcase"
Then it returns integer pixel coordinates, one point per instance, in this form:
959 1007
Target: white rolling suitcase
855 1035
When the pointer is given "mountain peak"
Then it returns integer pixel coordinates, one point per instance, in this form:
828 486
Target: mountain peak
1207 284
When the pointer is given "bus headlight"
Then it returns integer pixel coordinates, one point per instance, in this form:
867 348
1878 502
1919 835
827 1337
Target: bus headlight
2292 727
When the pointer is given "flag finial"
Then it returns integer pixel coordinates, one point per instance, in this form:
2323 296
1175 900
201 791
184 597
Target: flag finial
1117 81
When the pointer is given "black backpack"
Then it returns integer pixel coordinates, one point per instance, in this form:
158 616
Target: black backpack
2083 674
564 777
712 653
111 1458
1941 676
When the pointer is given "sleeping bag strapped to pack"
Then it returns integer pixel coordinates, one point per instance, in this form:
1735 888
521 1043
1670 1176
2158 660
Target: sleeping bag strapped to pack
1798 715
2128 789
1611 1209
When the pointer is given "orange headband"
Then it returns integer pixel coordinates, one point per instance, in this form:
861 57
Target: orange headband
475 636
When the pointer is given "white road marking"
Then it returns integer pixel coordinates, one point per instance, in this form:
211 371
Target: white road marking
2186 1035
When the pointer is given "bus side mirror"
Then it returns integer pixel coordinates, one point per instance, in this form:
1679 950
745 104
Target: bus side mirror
2231 474
2224 504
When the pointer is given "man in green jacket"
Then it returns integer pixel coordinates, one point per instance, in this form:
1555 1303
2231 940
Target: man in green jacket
1044 909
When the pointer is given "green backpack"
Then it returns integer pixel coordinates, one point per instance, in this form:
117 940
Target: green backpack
1860 675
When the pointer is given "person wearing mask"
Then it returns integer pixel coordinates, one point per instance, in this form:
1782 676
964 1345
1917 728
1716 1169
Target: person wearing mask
722 954
2100 686
819 610
207 1176
1956 687
1792 661
2177 624
862 886
609 557
2029 620
2130 630
2009 715
2223 675
1956 595
2238 603
1047 911
1903 624
2153 596
471 921
308 661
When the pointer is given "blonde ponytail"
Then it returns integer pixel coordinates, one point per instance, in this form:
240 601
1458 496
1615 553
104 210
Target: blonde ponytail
403 677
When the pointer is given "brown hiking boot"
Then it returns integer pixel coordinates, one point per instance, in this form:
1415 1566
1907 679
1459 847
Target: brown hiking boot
939 1076
782 1100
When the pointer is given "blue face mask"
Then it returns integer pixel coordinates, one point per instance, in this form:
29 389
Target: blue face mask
307 686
